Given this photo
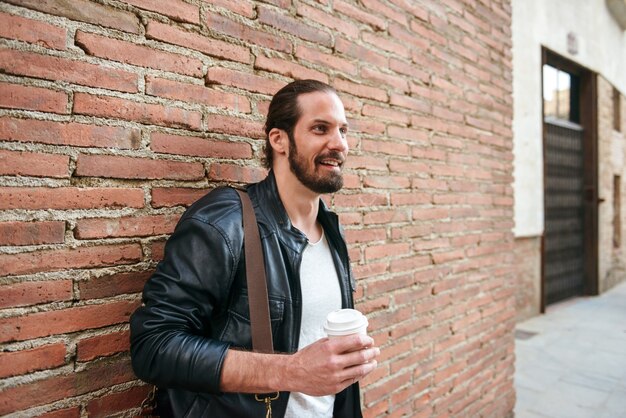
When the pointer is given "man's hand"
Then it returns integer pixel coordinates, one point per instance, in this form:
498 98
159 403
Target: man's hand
325 367
330 365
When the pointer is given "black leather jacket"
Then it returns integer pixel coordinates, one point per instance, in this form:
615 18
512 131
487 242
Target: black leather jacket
196 305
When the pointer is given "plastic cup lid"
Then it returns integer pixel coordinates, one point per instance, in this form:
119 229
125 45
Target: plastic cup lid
345 321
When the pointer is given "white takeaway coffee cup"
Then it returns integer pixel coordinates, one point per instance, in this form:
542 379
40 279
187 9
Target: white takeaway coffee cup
345 322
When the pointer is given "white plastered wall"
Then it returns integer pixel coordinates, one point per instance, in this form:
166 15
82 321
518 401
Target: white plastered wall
601 48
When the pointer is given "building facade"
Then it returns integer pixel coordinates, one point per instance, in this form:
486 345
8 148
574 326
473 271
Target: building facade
569 83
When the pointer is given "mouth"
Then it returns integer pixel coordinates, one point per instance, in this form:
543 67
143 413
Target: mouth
332 162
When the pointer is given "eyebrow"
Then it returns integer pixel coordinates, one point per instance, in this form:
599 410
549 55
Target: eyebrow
324 121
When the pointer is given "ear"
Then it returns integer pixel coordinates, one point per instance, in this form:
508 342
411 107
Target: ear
279 141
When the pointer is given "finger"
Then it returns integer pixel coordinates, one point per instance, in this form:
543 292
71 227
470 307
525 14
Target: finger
355 358
351 343
356 373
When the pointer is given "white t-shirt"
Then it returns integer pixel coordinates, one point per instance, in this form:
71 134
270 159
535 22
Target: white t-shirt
321 294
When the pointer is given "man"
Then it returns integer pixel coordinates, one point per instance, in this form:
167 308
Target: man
192 335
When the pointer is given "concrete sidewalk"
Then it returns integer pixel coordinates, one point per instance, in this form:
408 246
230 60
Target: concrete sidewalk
571 361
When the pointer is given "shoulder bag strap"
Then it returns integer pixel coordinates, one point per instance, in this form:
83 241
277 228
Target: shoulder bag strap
257 283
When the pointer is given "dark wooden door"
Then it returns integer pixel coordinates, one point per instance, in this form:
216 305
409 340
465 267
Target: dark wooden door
564 236
570 240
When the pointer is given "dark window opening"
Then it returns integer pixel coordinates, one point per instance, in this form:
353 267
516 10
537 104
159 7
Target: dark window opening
561 92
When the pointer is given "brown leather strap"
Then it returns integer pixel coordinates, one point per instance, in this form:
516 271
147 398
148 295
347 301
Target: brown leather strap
257 283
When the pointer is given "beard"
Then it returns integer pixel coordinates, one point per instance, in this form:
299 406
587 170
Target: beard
308 176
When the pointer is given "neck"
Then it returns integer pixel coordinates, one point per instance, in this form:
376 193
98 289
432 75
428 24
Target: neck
301 204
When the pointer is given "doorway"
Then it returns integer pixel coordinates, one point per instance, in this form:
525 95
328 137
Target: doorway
570 239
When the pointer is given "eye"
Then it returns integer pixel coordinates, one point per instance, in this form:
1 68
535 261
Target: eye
320 129
343 131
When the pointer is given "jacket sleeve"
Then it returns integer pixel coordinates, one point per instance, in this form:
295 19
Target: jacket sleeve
170 333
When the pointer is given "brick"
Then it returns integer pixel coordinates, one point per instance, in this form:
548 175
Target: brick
73 412
235 126
370 163
61 69
196 93
297 27
386 216
113 285
415 72
213 47
242 7
130 226
288 69
139 55
329 19
377 7
409 103
47 390
73 134
27 361
245 81
19 163
63 321
375 305
283 4
425 32
62 259
371 19
408 134
409 167
361 90
240 31
115 403
201 147
333 61
363 126
15 96
146 113
102 345
354 236
400 33
370 270
85 11
32 293
390 80
32 233
387 182
236 173
386 113
385 147
429 93
69 198
32 31
373 394
175 196
386 44
136 168
360 200
176 9
362 53
387 250
157 250
414 198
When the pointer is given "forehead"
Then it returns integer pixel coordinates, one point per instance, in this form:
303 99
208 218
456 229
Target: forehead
324 105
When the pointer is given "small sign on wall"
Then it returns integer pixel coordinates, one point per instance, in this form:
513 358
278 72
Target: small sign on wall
572 43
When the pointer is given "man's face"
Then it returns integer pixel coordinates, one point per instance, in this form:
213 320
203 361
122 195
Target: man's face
318 147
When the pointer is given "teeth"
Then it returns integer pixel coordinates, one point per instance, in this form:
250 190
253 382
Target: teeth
331 162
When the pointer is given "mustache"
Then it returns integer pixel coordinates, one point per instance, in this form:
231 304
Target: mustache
335 155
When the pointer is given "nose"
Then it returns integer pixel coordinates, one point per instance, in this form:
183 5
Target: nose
338 141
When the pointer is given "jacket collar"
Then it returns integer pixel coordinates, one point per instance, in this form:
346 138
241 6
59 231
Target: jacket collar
266 201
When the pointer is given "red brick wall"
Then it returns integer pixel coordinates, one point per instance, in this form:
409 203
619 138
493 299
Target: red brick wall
115 115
